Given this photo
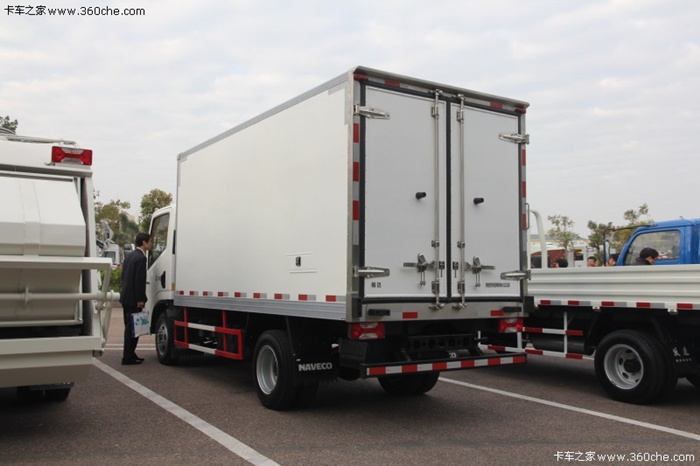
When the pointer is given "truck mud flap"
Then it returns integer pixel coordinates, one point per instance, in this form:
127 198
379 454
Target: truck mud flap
440 365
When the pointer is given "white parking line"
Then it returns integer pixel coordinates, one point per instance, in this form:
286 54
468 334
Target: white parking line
228 442
554 404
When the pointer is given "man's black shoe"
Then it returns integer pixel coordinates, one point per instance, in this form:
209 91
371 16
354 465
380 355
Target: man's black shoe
131 362
140 360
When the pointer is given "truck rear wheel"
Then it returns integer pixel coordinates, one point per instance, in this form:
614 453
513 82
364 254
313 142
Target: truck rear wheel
407 385
631 367
274 372
165 341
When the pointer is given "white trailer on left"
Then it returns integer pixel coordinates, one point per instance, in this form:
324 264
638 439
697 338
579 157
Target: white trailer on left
54 313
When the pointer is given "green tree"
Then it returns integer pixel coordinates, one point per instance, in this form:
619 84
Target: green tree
151 202
8 124
596 239
618 235
115 214
561 231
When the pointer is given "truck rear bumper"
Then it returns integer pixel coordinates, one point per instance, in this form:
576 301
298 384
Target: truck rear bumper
39 361
439 365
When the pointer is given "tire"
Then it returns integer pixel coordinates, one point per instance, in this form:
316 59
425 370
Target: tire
306 393
631 367
58 394
165 341
409 385
274 371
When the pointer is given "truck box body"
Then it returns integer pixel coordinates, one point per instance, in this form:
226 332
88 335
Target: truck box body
319 207
51 306
371 227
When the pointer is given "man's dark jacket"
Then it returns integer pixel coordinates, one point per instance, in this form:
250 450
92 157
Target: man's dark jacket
133 279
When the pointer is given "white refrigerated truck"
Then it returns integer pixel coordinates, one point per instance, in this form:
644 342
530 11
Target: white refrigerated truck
371 227
53 314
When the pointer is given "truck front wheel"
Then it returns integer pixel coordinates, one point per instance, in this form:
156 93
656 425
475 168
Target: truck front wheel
165 341
274 376
631 367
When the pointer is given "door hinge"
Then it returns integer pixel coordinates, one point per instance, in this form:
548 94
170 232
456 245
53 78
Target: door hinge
371 112
515 138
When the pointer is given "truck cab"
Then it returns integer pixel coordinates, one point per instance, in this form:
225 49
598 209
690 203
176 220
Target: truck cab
675 240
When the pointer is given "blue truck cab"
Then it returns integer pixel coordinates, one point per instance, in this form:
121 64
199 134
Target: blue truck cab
676 240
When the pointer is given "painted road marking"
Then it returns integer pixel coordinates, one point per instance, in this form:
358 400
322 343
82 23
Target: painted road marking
554 404
228 442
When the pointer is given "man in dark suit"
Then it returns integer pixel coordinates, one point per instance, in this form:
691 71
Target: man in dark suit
133 293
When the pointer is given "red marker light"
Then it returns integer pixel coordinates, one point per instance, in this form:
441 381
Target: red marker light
70 155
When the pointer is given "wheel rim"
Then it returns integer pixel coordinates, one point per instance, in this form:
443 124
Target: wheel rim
162 339
267 370
624 367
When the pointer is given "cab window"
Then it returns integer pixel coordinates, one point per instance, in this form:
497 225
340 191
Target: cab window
159 235
666 242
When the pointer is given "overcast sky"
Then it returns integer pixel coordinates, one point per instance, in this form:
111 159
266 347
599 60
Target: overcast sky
613 85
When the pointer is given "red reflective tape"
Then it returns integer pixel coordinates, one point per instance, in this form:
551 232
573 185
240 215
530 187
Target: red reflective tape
534 351
356 172
524 188
391 82
684 306
237 294
376 371
303 297
467 364
575 333
278 295
361 77
496 313
181 293
574 356
497 348
440 366
532 330
573 302
257 295
644 305
519 359
356 133
523 222
409 368
607 303
494 362
356 210
496 105
220 294
522 157
193 293
410 315
546 301
330 298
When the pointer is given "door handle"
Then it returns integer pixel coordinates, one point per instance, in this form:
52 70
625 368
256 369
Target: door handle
162 280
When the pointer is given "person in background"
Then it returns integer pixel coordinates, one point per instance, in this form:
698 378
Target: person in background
647 256
612 260
133 294
561 263
592 261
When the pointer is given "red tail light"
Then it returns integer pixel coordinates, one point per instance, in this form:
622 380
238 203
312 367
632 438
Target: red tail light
70 155
367 331
510 325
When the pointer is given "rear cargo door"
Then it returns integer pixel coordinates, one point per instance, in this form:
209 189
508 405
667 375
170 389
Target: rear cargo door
485 200
404 196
